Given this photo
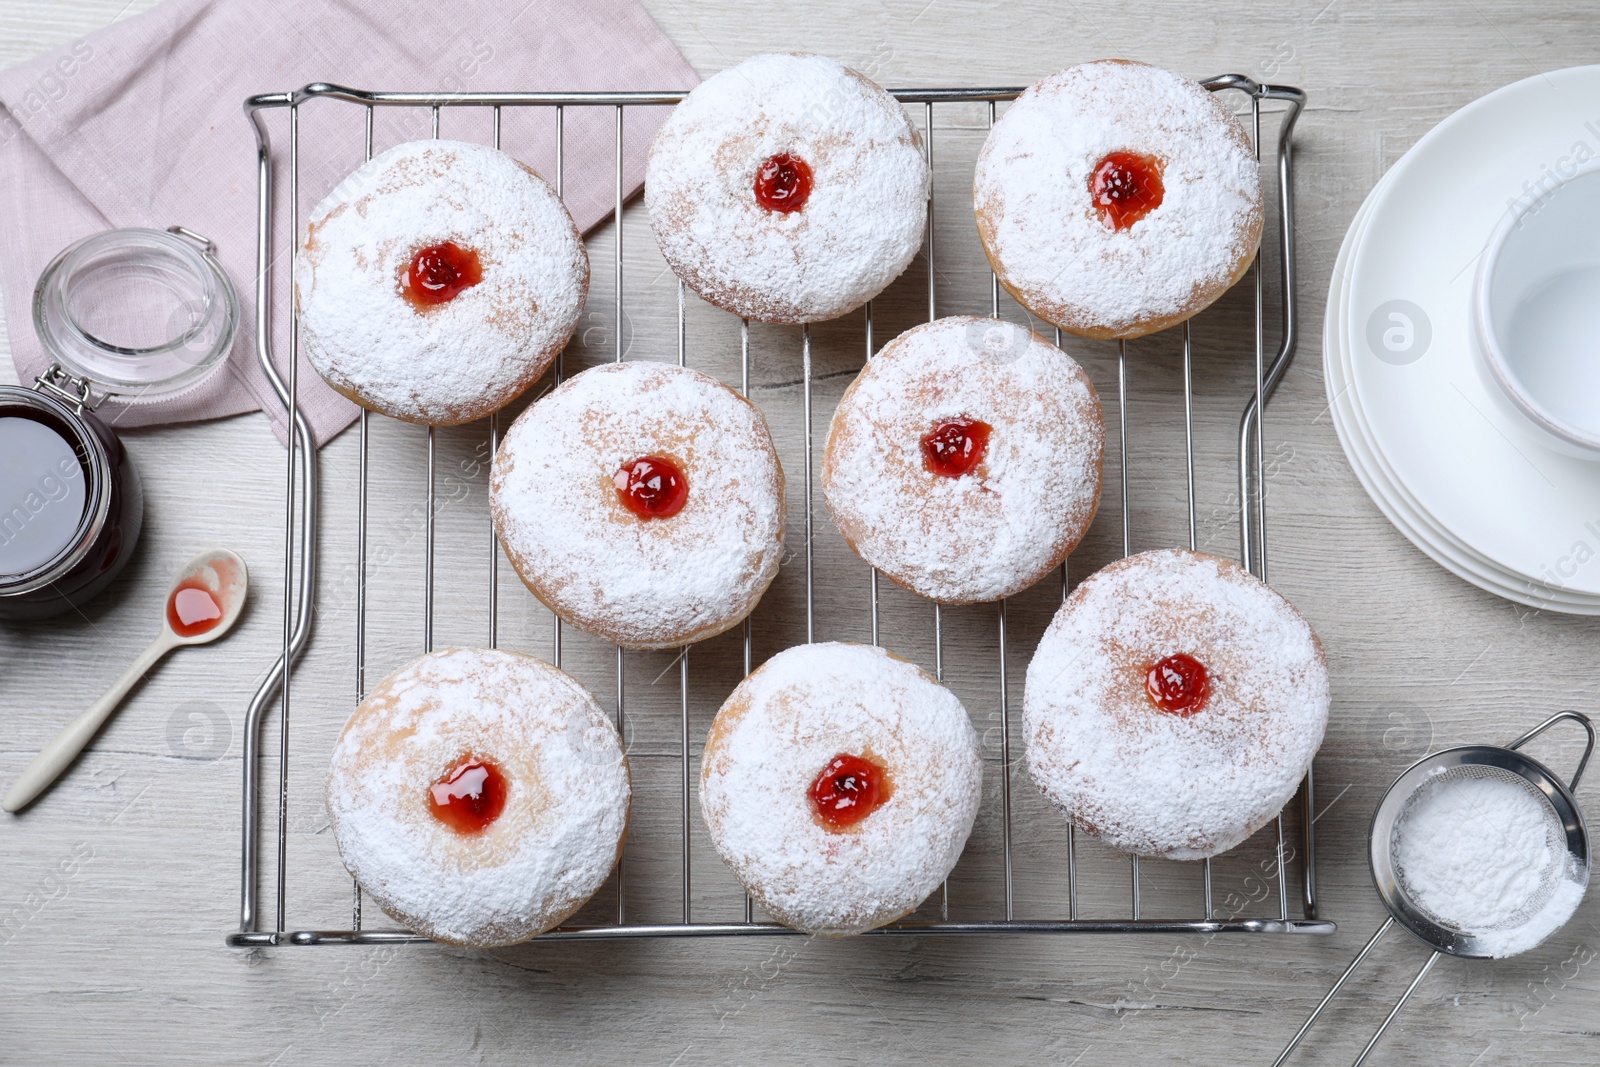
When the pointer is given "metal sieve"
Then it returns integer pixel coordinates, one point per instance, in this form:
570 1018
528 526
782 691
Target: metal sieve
1568 840
1563 828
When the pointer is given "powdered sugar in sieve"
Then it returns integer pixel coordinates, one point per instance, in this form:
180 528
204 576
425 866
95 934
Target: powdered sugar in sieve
1481 851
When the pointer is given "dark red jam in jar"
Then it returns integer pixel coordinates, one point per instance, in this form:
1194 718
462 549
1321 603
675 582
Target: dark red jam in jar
42 493
1126 186
955 446
783 183
440 273
652 487
848 790
71 505
1178 685
469 796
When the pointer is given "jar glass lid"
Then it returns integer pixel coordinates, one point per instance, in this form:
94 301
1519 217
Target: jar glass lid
141 314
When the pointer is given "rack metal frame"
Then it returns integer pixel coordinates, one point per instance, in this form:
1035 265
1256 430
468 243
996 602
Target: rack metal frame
300 514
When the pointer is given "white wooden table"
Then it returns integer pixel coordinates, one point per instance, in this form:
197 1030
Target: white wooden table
117 889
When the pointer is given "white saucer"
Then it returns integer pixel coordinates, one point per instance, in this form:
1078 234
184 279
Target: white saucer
1471 475
1370 469
1473 489
1373 473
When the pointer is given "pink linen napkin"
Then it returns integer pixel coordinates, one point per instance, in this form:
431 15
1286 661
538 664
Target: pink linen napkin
142 124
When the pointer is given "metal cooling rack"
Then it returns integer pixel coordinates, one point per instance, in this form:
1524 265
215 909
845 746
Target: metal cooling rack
300 556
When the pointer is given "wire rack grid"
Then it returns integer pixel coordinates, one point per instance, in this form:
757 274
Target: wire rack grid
301 532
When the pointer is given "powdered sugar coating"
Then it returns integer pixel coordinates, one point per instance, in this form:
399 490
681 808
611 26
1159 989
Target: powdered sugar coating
1570 887
1160 784
1016 516
566 810
1477 853
642 583
1487 857
861 225
462 359
1039 225
774 736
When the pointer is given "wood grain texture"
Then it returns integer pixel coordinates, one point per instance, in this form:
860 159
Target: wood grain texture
116 890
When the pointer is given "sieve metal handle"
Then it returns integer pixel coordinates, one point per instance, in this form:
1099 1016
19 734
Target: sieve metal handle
1305 1027
1410 989
1576 716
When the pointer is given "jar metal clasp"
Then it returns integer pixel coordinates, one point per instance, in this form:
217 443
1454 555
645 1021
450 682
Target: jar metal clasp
207 245
68 387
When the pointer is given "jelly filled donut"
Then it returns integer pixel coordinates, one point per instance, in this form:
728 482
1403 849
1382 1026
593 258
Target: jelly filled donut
840 783
789 188
1115 199
1174 704
964 461
479 797
642 502
438 281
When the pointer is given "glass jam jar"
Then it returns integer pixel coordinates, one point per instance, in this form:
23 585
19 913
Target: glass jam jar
136 314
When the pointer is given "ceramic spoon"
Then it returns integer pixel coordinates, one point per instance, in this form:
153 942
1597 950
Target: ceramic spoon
202 604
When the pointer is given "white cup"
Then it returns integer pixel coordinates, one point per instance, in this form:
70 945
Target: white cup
1536 308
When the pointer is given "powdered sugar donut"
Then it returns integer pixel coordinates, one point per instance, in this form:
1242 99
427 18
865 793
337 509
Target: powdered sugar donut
1174 704
438 281
840 783
642 502
789 188
1115 199
479 797
964 461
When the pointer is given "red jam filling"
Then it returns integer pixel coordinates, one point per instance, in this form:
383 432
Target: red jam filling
440 273
783 183
848 790
1178 685
469 796
955 446
652 487
1126 187
193 609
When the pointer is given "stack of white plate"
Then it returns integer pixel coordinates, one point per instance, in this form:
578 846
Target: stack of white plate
1461 476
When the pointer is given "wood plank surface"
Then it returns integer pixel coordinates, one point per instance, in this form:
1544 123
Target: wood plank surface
117 889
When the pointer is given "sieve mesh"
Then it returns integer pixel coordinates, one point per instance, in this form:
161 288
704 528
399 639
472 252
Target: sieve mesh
1554 833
